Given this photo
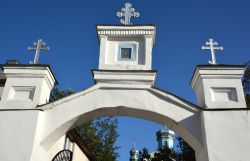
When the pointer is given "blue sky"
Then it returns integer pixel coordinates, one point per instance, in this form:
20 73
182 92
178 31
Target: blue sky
68 27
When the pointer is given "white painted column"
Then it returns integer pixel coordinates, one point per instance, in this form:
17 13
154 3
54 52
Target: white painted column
226 135
18 133
148 51
219 86
103 48
26 86
21 120
225 127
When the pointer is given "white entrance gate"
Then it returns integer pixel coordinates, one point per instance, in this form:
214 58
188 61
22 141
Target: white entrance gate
217 128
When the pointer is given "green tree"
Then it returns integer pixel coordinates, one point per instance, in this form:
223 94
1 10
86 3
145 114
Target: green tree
186 152
183 153
246 79
248 100
57 93
144 155
100 135
246 84
164 154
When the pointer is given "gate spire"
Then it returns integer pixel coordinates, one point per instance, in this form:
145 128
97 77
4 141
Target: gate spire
38 46
212 45
127 12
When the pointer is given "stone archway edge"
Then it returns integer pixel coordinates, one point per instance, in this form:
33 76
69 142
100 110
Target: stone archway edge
178 112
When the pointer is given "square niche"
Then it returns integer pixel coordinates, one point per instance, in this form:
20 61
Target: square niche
22 93
126 52
224 95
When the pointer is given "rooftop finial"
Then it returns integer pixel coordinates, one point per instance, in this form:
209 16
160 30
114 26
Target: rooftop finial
212 45
38 46
127 13
134 140
134 153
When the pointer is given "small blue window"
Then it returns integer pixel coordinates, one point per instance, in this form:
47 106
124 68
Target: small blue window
126 52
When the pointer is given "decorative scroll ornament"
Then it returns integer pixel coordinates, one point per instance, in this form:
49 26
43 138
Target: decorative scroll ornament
212 46
38 46
127 13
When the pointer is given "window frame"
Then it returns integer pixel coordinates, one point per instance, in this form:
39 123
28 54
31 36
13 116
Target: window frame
131 46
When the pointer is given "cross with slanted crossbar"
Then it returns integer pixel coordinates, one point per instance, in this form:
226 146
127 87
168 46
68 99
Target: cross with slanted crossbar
127 13
212 45
38 46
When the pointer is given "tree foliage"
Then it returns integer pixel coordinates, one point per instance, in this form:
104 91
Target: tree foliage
144 155
186 152
57 93
100 135
248 100
246 79
164 154
246 84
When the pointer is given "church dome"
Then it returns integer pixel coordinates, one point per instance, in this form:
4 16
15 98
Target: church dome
165 137
134 154
162 132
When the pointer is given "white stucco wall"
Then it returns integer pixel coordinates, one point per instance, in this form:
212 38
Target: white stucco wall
113 47
17 134
141 37
78 155
156 106
33 135
26 86
224 134
221 101
219 86
227 135
109 51
24 101
58 146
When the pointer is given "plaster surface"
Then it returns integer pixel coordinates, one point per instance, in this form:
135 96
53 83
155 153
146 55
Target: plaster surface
18 131
226 135
156 106
78 155
142 38
214 135
26 86
218 130
219 86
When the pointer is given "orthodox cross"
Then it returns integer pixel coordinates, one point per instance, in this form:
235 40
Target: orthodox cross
212 46
38 46
127 13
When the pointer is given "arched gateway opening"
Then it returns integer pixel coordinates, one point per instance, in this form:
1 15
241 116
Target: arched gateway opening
147 103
